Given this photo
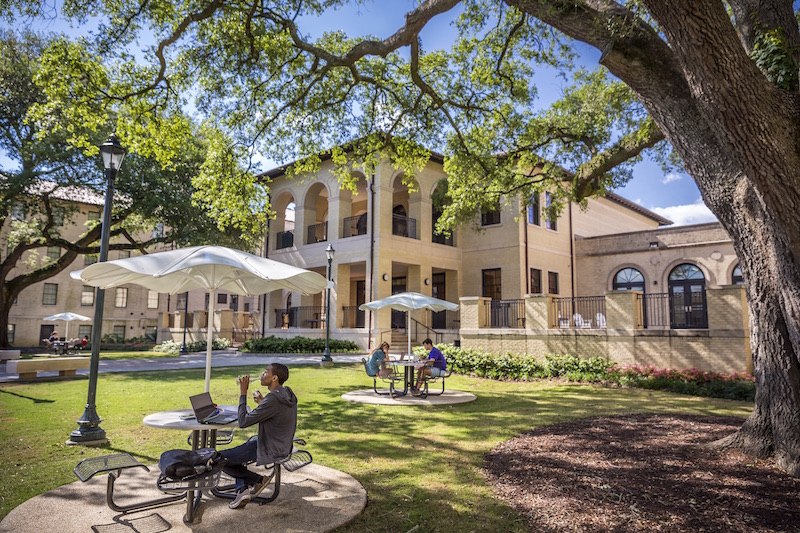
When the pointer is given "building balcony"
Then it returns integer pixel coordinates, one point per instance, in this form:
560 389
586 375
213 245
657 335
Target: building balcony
317 233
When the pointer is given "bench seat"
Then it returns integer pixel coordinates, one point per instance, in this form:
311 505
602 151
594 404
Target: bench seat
9 354
28 368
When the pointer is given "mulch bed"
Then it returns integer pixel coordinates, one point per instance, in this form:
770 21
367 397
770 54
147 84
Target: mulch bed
642 472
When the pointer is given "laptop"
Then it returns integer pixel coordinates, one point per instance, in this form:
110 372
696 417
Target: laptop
206 413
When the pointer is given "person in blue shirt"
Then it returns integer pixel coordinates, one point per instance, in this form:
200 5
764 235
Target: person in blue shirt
376 365
436 368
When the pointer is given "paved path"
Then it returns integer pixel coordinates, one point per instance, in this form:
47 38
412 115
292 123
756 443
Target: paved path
220 358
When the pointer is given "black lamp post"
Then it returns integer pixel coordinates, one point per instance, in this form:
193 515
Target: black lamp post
89 430
326 357
184 350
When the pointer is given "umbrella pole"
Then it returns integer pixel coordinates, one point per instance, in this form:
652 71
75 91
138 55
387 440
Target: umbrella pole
210 336
408 333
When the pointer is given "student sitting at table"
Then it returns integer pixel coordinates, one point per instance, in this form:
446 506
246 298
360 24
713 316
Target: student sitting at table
376 365
436 368
276 416
51 339
79 343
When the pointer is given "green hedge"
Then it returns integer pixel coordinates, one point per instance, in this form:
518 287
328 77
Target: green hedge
737 386
274 344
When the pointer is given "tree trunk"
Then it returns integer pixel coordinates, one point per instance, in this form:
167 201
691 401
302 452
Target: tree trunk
738 137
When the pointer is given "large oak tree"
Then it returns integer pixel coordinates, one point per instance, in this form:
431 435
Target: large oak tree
46 172
716 82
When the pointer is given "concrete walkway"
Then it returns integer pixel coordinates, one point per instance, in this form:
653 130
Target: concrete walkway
220 358
314 498
368 396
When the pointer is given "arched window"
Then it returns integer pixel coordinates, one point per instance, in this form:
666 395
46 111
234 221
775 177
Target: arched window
687 297
628 279
736 276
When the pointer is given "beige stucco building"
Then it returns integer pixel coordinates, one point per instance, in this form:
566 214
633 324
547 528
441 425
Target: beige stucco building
130 311
612 280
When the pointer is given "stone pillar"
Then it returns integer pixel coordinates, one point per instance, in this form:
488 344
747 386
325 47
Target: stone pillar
473 312
536 311
623 310
729 327
339 294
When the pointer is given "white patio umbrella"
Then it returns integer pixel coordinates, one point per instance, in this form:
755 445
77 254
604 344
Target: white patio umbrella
408 301
67 318
210 268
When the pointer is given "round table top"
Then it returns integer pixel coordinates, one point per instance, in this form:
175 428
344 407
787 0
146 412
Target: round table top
410 363
173 420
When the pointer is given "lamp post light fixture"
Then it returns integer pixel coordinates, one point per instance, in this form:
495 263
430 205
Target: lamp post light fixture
89 430
326 357
184 350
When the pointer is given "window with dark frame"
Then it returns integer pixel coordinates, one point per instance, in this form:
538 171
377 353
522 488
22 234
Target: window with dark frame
552 282
536 281
534 210
119 331
549 223
492 287
50 294
181 301
222 298
736 276
12 329
124 254
490 218
53 253
85 330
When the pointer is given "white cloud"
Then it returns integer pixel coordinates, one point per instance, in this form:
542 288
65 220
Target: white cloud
638 201
681 215
669 178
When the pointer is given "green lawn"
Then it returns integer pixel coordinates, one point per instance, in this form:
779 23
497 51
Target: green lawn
419 465
113 354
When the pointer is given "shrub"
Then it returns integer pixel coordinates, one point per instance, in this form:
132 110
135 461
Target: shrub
737 386
273 344
196 346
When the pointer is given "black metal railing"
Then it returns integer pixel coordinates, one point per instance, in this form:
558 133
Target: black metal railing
420 331
352 226
300 317
317 233
404 226
505 314
284 239
664 310
440 238
444 319
580 312
353 317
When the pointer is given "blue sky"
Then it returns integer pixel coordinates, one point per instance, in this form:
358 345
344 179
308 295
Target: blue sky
674 196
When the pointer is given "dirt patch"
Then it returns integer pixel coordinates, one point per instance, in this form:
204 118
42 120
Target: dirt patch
641 472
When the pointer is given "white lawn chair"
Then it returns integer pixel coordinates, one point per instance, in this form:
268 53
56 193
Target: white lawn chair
600 320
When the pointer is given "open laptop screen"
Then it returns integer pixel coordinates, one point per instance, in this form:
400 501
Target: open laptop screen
202 406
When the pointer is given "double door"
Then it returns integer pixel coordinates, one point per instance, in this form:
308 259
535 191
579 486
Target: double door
687 304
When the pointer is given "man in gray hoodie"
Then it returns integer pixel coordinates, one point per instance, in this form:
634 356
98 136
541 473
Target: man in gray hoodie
276 416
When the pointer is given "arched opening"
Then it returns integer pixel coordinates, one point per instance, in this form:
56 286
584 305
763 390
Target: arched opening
316 214
736 275
405 208
283 225
436 214
687 297
628 279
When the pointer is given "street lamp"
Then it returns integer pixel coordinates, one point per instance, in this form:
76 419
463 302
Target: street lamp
89 430
326 357
184 349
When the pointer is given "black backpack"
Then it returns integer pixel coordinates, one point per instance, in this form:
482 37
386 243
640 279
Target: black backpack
178 465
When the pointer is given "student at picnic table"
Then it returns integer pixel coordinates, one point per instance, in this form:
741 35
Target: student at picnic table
49 341
436 367
376 365
276 416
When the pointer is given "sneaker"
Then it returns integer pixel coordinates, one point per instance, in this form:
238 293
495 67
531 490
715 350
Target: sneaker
241 500
258 487
416 392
